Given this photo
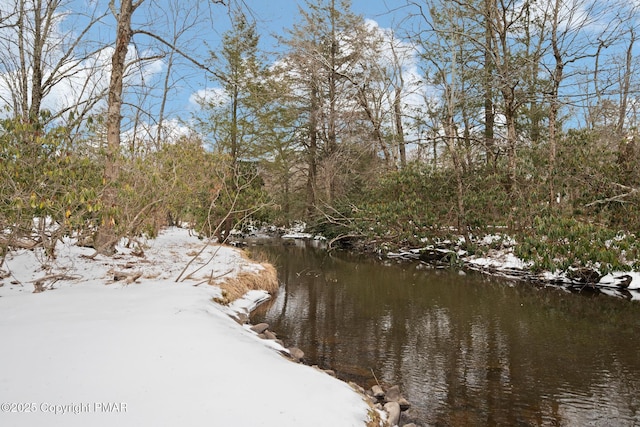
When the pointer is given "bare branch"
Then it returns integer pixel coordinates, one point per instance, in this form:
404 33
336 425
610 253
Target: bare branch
182 53
619 198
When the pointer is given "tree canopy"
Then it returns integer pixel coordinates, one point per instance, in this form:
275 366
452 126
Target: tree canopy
465 117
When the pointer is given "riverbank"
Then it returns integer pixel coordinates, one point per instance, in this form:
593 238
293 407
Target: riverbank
495 255
465 349
501 260
118 341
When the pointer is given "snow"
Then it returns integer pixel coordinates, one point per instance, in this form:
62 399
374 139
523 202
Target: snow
499 259
301 235
613 279
505 262
158 352
492 239
297 235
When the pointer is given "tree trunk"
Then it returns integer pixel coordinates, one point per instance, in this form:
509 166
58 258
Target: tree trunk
234 126
453 146
375 123
626 84
489 115
553 118
312 166
512 139
451 133
23 102
163 103
510 111
397 108
332 144
397 111
36 65
556 79
106 237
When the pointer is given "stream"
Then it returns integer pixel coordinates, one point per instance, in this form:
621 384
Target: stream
466 349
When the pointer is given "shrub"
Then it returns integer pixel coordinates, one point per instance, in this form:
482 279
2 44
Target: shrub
45 178
558 243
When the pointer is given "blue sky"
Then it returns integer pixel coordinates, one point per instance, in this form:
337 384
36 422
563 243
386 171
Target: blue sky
157 17
206 23
276 16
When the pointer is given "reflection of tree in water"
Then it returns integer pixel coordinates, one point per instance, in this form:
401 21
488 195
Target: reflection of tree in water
466 350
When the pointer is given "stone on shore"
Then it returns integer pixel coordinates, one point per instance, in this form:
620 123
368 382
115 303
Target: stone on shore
242 318
260 328
296 353
377 391
330 372
270 335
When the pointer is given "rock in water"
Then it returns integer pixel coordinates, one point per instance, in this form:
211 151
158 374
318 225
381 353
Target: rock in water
584 275
393 394
625 282
393 409
404 404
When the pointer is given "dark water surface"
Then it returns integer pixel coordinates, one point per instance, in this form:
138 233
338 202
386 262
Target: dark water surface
466 350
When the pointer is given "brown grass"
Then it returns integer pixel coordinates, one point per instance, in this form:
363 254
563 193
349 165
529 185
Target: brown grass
374 418
234 288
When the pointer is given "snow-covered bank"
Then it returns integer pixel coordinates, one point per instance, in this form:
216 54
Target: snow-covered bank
155 352
504 263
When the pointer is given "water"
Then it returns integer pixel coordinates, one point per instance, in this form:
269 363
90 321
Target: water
466 350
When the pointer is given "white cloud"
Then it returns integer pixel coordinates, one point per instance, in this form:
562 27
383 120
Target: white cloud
145 134
215 96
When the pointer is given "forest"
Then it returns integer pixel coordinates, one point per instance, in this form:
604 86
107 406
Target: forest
467 118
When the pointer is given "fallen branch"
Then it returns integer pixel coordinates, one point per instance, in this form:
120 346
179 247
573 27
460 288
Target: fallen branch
211 277
340 237
619 198
38 284
19 243
210 241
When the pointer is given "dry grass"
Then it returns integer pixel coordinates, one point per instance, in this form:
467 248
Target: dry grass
375 419
234 288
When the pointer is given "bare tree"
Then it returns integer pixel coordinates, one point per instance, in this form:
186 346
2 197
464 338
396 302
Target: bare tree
445 42
625 84
320 50
106 236
370 79
181 18
37 53
486 33
567 25
380 89
398 95
504 20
